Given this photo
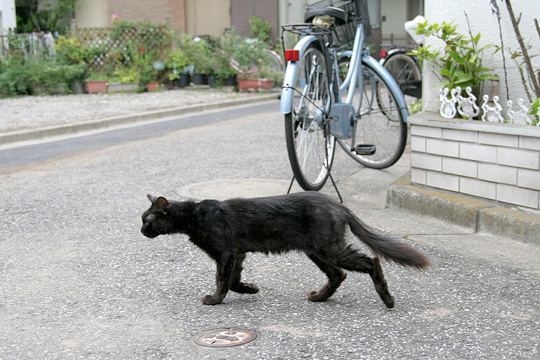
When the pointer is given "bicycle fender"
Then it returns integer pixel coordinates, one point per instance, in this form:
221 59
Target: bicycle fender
291 73
344 54
392 52
392 83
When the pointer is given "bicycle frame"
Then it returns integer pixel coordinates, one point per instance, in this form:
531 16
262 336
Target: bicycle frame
353 78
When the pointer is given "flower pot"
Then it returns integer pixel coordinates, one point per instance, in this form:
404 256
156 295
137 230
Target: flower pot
199 79
96 86
213 81
77 87
152 86
183 80
230 81
254 84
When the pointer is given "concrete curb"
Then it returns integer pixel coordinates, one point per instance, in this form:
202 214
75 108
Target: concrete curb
33 134
476 214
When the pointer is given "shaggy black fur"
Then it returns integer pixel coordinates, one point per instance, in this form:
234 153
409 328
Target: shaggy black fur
308 221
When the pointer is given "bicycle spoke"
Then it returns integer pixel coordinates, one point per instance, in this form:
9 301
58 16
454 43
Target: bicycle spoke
308 150
379 123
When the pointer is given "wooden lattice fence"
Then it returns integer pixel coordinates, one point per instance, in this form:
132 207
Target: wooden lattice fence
124 43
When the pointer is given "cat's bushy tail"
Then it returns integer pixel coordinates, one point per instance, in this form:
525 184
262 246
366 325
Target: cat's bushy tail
386 246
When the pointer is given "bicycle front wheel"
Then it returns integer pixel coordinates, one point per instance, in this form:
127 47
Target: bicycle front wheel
309 144
380 123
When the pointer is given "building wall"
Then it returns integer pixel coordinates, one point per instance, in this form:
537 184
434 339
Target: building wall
483 21
207 17
92 14
159 11
243 10
99 13
8 19
394 14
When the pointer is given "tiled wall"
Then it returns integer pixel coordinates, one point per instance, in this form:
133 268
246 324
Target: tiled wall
493 161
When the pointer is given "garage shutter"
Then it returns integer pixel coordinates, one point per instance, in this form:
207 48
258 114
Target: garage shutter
242 10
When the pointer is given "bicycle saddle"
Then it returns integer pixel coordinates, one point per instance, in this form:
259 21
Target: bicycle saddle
339 14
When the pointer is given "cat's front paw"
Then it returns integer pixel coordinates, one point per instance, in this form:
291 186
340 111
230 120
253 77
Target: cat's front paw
317 296
245 288
211 300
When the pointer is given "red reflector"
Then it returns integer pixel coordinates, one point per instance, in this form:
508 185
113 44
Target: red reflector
292 55
383 53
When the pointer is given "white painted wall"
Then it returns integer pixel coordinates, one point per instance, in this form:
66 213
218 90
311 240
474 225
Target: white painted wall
9 21
483 21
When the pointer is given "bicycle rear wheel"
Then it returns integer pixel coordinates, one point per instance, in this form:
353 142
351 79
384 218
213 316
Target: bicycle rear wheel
407 74
380 123
309 144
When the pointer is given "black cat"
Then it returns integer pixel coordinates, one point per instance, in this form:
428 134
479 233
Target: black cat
308 221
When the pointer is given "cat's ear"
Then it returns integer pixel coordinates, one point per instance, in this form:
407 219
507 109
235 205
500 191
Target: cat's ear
151 198
161 203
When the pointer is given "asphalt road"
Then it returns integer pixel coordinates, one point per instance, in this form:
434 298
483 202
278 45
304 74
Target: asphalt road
78 280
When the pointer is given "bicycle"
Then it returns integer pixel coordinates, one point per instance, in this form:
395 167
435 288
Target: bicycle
319 109
405 67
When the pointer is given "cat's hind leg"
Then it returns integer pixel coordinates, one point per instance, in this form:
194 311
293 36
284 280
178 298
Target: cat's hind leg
353 260
335 278
236 285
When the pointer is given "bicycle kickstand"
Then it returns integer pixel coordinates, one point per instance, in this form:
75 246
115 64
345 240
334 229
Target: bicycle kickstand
333 183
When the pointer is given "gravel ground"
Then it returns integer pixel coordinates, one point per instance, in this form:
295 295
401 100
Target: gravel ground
30 112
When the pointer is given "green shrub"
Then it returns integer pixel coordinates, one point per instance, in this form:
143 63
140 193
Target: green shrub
460 61
260 29
126 75
38 77
535 111
177 63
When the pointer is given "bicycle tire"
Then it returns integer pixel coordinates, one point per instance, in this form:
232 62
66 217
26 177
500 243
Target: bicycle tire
310 146
383 126
405 71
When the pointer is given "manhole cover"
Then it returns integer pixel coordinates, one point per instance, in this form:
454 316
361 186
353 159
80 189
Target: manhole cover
226 337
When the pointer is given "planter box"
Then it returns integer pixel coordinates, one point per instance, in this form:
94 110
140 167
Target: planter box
254 84
96 86
499 162
122 88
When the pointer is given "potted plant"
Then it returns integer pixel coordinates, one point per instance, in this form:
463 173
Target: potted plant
148 78
125 79
250 56
176 65
460 64
74 76
74 57
224 69
202 57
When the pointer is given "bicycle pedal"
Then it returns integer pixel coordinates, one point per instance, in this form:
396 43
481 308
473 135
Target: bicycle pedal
365 149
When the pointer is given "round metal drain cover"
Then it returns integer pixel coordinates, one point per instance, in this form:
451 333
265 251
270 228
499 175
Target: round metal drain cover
226 337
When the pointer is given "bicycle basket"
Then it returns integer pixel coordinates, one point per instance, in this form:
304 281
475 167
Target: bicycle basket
357 12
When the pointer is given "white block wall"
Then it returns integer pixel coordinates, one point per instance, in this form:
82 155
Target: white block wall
493 161
484 22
